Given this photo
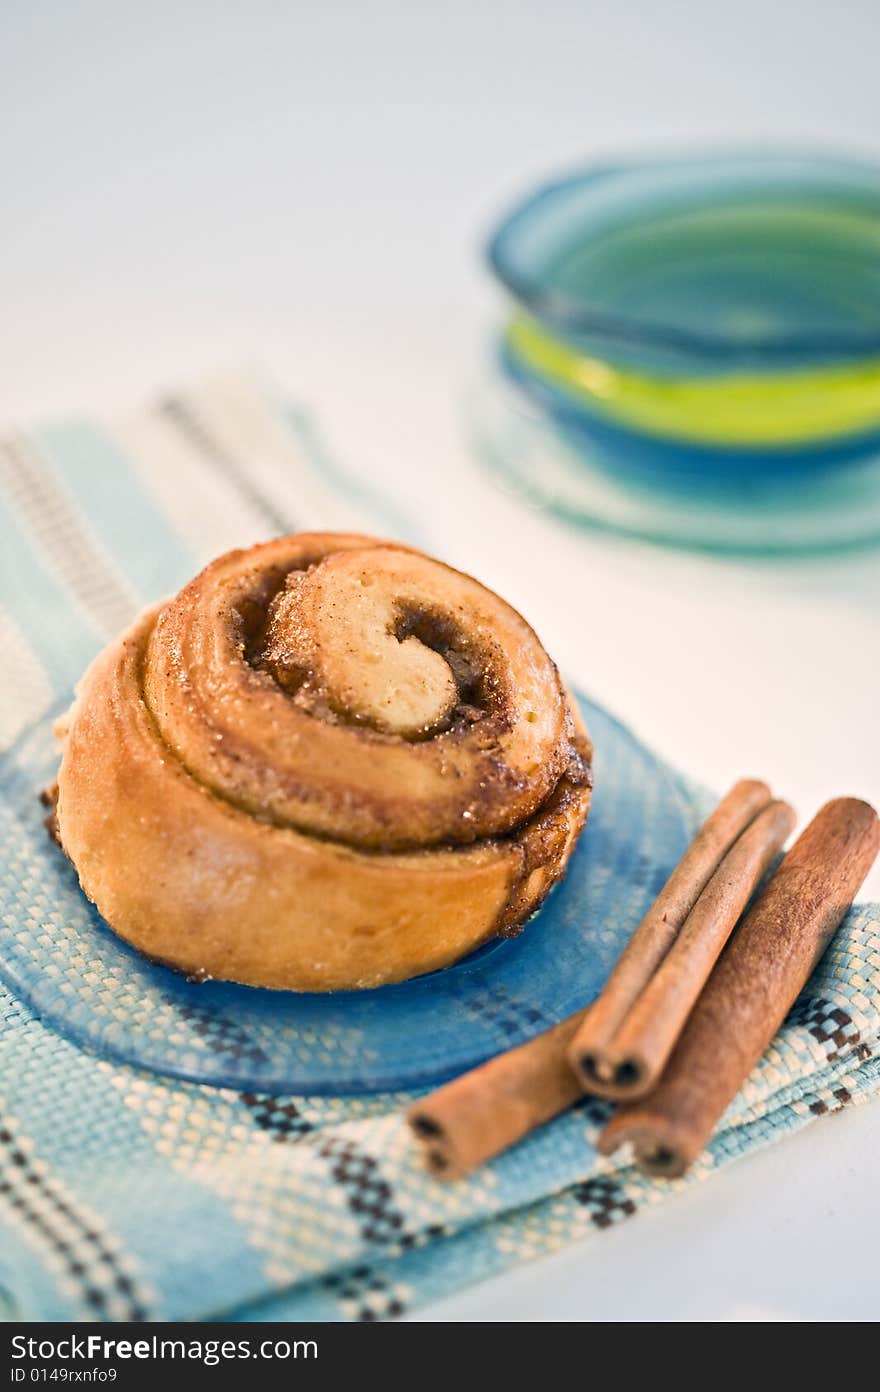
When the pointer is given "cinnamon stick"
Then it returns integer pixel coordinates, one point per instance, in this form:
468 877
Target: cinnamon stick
478 1115
660 926
751 989
628 1063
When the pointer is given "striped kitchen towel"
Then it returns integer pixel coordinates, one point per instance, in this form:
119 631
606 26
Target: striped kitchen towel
127 1195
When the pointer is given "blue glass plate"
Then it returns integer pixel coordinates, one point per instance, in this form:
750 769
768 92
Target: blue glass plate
60 957
600 477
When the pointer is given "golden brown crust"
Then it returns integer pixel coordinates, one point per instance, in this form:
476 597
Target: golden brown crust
328 763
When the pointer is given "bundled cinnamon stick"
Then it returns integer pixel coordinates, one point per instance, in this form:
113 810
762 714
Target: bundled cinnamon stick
485 1111
624 1042
751 989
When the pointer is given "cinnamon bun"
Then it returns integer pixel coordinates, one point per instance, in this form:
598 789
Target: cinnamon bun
330 762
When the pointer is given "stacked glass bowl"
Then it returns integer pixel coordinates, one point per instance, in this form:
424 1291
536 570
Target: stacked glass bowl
693 351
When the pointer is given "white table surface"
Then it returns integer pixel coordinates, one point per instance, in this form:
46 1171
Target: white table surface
304 187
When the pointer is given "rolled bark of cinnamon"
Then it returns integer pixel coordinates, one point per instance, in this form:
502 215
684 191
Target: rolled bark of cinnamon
478 1115
658 930
629 1063
475 1117
751 990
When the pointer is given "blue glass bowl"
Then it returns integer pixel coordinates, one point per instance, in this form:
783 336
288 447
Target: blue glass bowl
61 959
694 351
703 263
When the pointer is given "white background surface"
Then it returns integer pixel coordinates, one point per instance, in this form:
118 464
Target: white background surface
305 187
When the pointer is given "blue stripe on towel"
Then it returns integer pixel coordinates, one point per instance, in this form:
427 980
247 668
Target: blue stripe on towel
108 489
65 640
